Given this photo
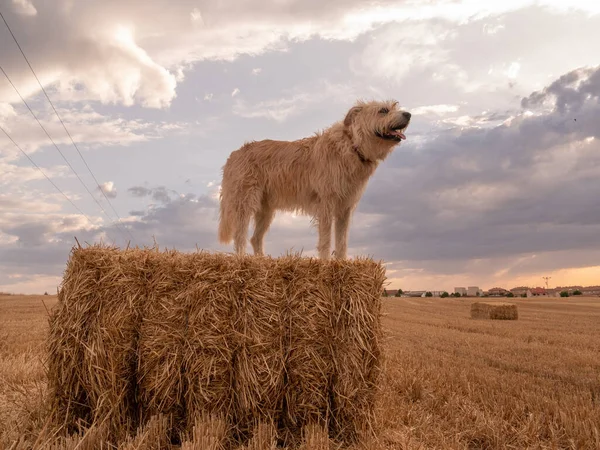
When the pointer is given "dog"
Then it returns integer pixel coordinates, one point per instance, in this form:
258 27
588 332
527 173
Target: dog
323 176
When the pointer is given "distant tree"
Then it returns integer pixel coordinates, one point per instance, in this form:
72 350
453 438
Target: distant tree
45 293
510 294
564 294
576 292
428 294
445 294
399 293
477 294
464 294
384 294
524 295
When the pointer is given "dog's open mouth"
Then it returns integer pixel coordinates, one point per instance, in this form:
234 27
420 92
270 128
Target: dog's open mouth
394 135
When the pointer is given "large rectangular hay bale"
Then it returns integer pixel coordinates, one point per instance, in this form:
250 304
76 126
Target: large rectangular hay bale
494 311
291 341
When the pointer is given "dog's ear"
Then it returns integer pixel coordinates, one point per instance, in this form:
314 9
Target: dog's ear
351 115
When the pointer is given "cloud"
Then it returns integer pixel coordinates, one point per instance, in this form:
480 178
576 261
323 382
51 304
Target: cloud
109 189
37 229
513 70
297 100
118 53
13 173
24 7
30 234
139 191
196 16
434 109
569 93
180 222
448 62
35 262
395 52
160 194
100 62
88 128
235 92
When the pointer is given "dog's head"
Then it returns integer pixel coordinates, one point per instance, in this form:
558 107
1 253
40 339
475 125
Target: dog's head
376 127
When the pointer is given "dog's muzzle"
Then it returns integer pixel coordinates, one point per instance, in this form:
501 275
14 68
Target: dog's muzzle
396 131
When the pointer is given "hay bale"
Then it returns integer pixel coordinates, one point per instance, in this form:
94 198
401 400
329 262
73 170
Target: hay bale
92 362
288 341
494 310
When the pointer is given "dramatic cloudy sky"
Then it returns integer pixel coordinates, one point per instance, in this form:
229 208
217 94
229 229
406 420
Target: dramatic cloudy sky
496 185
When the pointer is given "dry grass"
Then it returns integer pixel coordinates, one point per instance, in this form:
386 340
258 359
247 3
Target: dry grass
494 311
448 383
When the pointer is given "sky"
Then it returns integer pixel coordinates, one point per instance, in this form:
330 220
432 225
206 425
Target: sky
496 185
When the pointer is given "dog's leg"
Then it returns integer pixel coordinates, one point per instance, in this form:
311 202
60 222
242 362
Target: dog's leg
262 218
324 220
248 203
342 224
240 236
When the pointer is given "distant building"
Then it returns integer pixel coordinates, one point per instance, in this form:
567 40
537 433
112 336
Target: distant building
473 291
585 290
537 292
414 293
518 291
570 289
591 290
390 292
460 290
498 292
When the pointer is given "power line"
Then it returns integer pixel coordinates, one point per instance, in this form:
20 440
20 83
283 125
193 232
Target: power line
58 149
63 124
47 178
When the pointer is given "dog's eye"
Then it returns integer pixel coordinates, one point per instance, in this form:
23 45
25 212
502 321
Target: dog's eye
384 111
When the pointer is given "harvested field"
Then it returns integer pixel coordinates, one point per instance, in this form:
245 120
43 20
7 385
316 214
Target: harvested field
448 382
494 311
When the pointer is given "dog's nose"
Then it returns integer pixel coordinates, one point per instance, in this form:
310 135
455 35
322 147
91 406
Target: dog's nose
406 114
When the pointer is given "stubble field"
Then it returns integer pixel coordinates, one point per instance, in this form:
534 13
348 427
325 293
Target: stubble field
449 382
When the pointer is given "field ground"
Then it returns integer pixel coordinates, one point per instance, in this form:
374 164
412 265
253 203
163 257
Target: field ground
449 382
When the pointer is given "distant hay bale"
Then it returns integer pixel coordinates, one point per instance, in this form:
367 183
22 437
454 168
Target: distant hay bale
494 311
140 334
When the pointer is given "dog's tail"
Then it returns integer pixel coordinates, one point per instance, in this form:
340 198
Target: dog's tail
226 218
